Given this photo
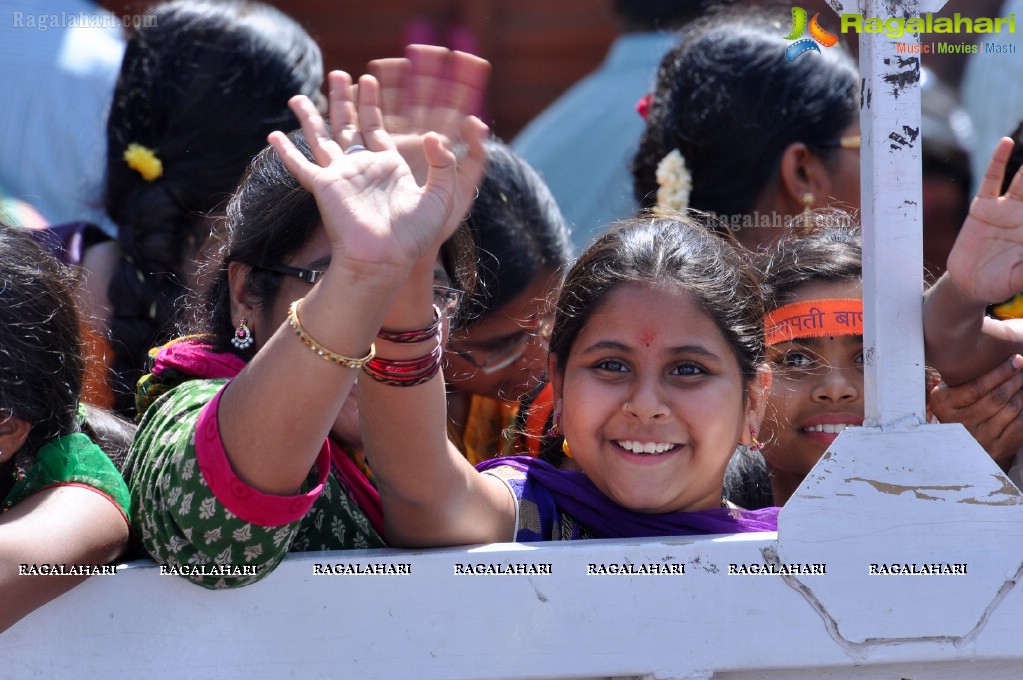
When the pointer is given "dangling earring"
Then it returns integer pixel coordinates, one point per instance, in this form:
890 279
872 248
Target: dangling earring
808 199
564 448
555 428
754 444
242 335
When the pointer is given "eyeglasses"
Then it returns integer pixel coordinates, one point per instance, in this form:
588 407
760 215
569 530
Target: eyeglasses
445 297
847 142
512 350
307 275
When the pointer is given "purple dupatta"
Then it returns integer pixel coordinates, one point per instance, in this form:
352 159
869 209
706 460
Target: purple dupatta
556 491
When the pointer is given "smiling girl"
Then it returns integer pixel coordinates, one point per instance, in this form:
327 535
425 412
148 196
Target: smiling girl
657 371
814 337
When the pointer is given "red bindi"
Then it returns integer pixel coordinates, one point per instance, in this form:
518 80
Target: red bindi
647 337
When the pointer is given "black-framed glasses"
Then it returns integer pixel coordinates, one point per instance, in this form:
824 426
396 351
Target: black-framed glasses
445 297
307 275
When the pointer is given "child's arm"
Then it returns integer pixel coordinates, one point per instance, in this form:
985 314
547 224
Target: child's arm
64 525
984 267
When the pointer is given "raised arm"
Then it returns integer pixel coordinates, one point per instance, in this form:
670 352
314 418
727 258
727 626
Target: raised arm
984 267
378 224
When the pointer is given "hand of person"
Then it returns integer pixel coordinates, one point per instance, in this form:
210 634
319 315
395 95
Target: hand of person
989 407
432 89
378 219
986 262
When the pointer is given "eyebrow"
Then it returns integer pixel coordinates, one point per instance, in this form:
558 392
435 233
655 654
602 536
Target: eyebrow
817 342
604 345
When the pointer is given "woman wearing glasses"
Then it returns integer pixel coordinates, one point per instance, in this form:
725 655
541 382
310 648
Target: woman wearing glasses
497 358
250 446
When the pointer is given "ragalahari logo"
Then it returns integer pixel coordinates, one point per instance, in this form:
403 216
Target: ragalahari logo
817 35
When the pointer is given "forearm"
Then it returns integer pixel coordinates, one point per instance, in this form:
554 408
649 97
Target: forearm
959 340
275 416
430 493
60 526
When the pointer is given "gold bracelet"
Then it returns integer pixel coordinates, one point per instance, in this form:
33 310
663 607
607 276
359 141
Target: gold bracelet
320 350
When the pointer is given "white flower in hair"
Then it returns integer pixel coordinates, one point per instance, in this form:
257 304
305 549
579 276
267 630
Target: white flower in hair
673 184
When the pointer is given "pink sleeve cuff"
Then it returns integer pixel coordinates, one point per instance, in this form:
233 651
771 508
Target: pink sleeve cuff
242 500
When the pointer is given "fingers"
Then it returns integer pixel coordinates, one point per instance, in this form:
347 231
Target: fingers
324 149
425 80
294 160
474 164
998 384
989 407
443 88
344 117
1015 191
468 76
371 120
991 185
391 75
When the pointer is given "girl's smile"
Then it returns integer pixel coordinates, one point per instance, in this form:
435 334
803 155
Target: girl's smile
653 400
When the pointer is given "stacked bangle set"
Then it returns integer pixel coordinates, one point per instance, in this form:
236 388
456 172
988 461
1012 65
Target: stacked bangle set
397 372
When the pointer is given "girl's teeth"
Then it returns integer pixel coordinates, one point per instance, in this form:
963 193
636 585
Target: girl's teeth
830 429
648 447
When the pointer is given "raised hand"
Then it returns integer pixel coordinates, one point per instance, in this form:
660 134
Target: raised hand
986 262
378 219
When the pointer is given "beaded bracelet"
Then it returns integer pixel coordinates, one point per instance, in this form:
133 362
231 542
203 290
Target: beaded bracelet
406 372
320 350
410 337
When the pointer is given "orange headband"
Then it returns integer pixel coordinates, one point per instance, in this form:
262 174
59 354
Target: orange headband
814 319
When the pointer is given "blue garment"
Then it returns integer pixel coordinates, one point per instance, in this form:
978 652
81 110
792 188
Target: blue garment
59 62
583 143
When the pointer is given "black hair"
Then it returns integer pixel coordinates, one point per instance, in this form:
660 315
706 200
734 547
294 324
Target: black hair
41 360
728 99
518 231
202 84
829 253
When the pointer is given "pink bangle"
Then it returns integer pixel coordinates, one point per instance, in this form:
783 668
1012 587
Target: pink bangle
410 337
406 372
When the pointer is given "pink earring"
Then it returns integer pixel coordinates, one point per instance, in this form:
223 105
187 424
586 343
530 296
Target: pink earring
242 338
555 428
754 445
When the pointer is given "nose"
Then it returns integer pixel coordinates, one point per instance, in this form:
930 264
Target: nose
646 401
838 385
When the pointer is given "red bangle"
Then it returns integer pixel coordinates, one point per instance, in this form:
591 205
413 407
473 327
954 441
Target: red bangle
410 337
406 372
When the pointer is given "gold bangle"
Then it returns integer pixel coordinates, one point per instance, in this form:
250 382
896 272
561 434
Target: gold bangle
332 357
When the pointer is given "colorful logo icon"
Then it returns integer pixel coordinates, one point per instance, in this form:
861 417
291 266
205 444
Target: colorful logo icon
817 35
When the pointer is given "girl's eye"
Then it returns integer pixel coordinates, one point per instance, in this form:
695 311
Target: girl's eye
689 368
796 360
612 365
859 359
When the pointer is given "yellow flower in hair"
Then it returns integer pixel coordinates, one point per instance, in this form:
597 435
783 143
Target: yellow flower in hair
143 160
1012 309
673 184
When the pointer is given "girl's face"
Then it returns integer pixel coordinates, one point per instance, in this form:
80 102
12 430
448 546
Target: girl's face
653 402
502 355
817 390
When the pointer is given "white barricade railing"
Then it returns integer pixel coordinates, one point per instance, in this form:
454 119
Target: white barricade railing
894 496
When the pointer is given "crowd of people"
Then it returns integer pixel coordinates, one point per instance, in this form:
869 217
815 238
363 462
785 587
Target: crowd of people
354 320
